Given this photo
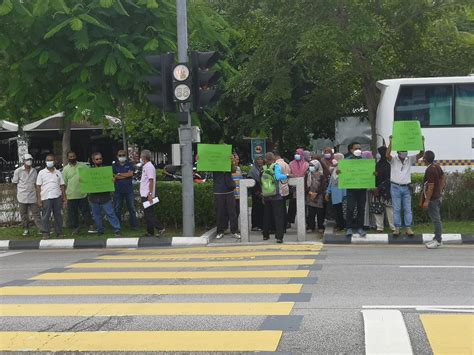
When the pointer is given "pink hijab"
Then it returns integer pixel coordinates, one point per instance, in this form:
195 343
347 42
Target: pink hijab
299 168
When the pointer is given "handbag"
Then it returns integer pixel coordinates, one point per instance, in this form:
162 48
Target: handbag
376 206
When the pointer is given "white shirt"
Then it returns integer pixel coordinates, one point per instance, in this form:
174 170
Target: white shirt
25 188
148 172
50 182
400 172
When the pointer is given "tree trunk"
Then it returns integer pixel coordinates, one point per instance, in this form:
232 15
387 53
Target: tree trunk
370 94
66 144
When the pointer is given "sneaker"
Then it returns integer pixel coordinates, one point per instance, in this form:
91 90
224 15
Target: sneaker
220 236
117 234
45 236
160 232
410 232
349 233
309 231
362 233
434 244
379 230
266 238
396 232
256 229
26 233
279 241
236 236
92 230
321 230
75 231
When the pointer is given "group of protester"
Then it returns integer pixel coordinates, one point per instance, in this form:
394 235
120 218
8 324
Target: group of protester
324 199
46 193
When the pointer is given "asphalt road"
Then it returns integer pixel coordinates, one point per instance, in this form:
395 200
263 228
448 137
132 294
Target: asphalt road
310 299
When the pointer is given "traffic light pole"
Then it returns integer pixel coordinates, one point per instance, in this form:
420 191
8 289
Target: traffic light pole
185 135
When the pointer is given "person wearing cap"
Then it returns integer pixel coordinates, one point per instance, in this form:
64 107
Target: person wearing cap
25 179
400 180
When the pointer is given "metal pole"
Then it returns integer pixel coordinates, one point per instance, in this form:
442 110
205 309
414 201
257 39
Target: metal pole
185 130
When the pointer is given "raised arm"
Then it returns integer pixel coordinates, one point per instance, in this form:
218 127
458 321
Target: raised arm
420 154
388 153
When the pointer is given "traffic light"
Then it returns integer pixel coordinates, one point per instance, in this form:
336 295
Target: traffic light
204 79
181 83
162 83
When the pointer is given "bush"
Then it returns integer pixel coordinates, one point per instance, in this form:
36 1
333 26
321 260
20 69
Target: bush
458 201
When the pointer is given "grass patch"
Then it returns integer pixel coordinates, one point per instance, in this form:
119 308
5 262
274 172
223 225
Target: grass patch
15 233
463 227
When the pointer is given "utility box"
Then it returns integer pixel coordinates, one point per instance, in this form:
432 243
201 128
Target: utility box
176 154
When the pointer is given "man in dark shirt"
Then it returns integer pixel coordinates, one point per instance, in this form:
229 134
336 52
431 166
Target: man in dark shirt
433 186
103 201
123 175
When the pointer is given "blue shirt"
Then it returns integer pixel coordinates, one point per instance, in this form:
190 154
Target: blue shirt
123 186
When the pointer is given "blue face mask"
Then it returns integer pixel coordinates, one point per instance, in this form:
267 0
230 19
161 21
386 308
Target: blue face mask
141 161
312 169
297 157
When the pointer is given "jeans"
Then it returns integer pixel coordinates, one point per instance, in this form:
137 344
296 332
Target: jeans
150 219
275 208
73 208
356 199
25 219
226 212
54 206
435 216
401 197
130 201
109 212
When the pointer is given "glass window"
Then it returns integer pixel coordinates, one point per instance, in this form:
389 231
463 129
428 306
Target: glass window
429 104
464 104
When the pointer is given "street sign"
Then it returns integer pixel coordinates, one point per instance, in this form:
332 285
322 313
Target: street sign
258 147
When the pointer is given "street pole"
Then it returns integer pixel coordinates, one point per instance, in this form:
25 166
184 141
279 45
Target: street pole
185 129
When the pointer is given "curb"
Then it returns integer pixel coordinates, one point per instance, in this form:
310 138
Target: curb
417 239
142 242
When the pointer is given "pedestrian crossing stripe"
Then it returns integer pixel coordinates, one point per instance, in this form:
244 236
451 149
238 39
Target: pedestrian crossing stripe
147 275
146 309
314 247
149 289
194 264
449 333
264 340
207 256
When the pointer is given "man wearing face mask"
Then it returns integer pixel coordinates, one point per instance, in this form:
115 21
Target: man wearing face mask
25 178
123 175
51 196
298 168
400 180
356 198
76 201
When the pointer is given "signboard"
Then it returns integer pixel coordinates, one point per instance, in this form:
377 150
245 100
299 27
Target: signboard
93 180
357 174
258 148
406 136
214 157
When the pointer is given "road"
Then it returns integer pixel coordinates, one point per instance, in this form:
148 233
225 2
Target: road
298 299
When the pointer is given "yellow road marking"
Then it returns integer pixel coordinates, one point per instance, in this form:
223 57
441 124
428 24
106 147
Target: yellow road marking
148 289
314 247
178 264
145 309
264 340
171 275
207 255
450 333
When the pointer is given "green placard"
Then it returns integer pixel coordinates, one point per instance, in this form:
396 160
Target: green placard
357 174
407 136
214 157
93 180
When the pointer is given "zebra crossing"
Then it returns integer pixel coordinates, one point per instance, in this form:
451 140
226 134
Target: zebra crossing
207 285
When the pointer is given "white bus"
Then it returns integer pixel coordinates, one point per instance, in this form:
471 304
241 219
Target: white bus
445 108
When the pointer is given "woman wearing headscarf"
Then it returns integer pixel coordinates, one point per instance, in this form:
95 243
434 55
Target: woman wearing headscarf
256 192
336 195
315 188
369 218
381 203
298 168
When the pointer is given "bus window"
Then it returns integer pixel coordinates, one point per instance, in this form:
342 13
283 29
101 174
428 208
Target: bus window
464 104
430 104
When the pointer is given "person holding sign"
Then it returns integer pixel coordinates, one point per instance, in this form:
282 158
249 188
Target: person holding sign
147 194
102 201
51 196
400 180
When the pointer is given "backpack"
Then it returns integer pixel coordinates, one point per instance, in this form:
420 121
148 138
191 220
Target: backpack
268 182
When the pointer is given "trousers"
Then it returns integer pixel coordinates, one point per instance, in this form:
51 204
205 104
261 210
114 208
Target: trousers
74 207
151 220
52 205
379 218
355 199
401 197
435 216
275 209
226 212
35 212
314 212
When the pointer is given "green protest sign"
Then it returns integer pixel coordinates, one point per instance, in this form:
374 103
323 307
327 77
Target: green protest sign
214 157
357 174
406 135
93 180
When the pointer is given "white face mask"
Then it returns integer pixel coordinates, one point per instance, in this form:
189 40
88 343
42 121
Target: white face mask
50 164
122 159
357 152
28 162
312 169
297 157
334 162
141 161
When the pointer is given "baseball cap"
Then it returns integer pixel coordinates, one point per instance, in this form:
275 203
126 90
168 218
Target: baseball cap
27 156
